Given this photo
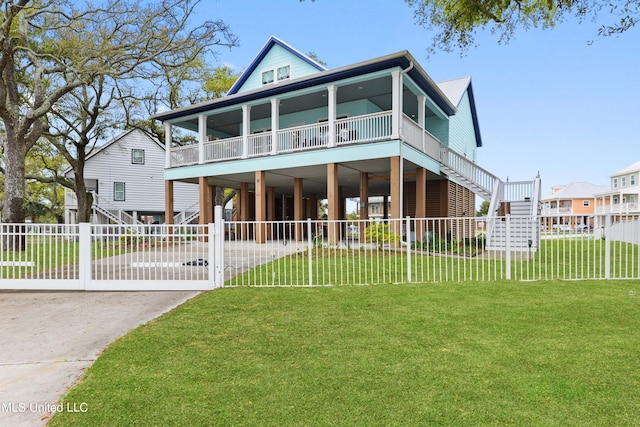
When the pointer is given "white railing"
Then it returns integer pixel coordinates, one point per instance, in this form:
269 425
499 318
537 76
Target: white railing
185 155
420 138
309 253
354 130
555 211
300 138
259 144
468 170
519 190
366 128
187 215
619 208
230 148
70 199
112 211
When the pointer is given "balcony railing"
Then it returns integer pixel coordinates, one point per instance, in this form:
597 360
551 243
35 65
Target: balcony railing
354 130
556 211
619 208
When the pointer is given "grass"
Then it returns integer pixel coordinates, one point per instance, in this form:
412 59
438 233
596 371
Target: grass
501 353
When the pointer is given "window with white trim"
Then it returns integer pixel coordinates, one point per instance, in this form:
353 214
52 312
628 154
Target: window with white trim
118 191
284 72
632 180
267 77
586 203
623 181
279 74
615 182
137 156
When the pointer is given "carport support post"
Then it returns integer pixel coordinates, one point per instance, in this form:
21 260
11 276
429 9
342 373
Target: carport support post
216 249
84 257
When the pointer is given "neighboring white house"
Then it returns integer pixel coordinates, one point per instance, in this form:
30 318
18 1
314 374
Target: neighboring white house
624 192
127 177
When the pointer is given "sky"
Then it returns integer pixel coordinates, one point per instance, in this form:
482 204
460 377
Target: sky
548 102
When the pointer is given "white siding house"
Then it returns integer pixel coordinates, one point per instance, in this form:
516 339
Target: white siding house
127 177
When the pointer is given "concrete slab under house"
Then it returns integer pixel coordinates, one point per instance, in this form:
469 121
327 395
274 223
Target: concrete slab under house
290 133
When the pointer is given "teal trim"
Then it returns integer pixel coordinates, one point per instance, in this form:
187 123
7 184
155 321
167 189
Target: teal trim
345 154
420 159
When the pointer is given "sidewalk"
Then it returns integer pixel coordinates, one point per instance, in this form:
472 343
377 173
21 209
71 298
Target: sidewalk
49 339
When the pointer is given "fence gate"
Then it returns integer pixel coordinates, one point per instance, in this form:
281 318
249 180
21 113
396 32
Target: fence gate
112 257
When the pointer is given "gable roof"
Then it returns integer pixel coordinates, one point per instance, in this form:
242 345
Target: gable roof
635 167
120 136
576 190
273 40
454 90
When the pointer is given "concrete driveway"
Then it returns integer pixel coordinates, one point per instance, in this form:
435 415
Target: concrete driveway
48 339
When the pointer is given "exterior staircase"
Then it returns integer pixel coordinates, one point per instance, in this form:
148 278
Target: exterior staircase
512 221
188 216
105 212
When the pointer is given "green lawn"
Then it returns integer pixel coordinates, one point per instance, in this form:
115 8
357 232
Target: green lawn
501 353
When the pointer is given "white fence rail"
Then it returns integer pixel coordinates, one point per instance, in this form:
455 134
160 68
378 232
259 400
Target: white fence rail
309 253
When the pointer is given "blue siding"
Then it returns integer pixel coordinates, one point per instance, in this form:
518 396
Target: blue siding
438 128
353 109
277 57
462 136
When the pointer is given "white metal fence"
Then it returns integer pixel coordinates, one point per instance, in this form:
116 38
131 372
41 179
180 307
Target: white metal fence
309 253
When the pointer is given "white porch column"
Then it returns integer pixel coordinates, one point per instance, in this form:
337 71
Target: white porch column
396 103
202 136
167 144
332 115
421 107
246 128
275 124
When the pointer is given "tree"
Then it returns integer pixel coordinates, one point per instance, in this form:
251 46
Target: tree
49 48
458 20
484 208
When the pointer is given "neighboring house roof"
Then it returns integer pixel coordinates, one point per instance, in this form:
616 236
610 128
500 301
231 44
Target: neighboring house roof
455 90
260 56
402 59
576 190
631 168
124 134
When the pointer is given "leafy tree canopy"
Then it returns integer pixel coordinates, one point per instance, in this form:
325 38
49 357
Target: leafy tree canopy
457 21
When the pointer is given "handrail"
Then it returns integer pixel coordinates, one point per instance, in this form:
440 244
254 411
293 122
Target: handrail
121 213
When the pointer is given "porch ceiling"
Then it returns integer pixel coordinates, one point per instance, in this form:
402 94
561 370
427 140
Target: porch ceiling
377 91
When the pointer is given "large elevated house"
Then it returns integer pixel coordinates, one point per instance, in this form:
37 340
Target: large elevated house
291 132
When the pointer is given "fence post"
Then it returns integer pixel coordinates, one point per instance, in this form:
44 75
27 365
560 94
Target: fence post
84 256
216 248
607 246
507 246
408 234
310 251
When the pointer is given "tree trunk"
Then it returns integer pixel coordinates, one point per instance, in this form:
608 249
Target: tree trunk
14 193
85 198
